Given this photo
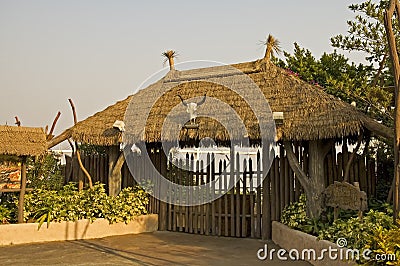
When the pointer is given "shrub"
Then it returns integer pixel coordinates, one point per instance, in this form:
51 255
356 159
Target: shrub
358 232
384 242
294 215
69 204
5 215
45 172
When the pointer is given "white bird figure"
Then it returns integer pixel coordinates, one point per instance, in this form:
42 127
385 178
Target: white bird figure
353 103
191 108
120 125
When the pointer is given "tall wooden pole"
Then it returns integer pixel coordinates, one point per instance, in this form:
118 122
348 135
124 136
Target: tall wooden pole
394 6
22 191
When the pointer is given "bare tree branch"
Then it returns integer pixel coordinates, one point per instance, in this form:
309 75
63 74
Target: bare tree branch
78 154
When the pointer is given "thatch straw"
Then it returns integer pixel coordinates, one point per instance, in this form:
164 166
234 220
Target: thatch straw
22 141
98 128
309 112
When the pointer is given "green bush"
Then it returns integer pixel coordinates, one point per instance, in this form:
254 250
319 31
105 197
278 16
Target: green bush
5 215
374 231
69 204
358 232
385 241
294 215
45 172
8 208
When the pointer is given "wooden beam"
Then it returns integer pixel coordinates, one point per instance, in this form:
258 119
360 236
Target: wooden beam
60 138
296 167
22 191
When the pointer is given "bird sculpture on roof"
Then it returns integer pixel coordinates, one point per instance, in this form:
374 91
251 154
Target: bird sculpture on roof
191 108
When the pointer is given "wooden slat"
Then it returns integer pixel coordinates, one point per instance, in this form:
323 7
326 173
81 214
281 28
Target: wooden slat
334 165
272 190
244 199
330 169
213 207
288 186
232 193
207 216
169 205
281 185
203 206
251 194
266 199
186 196
363 176
226 195
192 186
11 190
340 166
220 180
258 199
237 183
291 185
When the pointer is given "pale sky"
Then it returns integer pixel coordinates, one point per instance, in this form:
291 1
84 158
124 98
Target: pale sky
98 52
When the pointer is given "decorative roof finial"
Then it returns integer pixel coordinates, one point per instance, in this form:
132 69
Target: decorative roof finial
169 56
273 45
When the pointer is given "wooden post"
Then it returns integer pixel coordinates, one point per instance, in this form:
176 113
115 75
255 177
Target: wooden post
266 232
22 191
114 177
162 224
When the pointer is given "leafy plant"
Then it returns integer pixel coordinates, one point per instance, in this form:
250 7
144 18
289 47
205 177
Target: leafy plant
69 204
385 242
358 232
5 215
294 215
45 172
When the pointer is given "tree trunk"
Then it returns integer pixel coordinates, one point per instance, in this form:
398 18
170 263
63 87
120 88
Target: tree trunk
394 6
316 172
314 183
114 174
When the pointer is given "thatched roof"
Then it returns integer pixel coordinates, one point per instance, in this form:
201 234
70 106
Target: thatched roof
22 141
309 112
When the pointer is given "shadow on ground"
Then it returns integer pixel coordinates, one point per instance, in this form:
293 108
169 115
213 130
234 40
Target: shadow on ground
159 248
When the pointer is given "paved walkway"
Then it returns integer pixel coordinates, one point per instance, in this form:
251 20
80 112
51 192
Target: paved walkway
159 248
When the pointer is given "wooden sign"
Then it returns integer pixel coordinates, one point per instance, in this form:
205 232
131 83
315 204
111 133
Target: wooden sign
345 196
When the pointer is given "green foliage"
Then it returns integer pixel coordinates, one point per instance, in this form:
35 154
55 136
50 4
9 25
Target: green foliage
8 208
90 149
69 204
338 77
386 241
45 172
129 203
357 232
294 215
366 33
5 214
375 231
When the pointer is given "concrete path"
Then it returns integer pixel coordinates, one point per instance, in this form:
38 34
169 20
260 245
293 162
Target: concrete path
159 248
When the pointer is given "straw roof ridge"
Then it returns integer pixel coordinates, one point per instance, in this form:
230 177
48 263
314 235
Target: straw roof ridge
22 141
